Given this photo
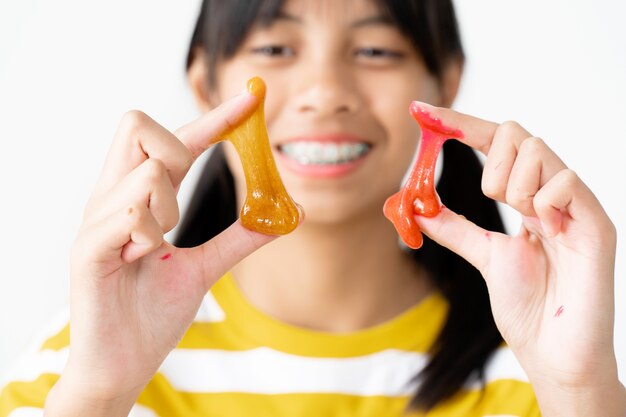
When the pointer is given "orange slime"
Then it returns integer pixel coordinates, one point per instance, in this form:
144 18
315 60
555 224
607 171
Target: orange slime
268 207
418 195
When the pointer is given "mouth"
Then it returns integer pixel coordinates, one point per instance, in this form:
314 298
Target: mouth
313 153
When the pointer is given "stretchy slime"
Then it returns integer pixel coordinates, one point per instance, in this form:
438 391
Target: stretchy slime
418 195
268 207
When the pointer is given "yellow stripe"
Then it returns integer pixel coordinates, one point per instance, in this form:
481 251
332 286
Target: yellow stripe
511 397
245 327
26 394
58 341
504 397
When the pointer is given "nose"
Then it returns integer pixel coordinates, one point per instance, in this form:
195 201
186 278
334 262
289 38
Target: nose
326 90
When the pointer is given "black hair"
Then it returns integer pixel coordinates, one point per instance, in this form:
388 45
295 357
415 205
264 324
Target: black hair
469 335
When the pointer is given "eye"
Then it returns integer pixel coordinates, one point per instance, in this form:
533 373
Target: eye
373 52
273 51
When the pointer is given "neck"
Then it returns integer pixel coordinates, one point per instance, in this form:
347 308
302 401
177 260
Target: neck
333 278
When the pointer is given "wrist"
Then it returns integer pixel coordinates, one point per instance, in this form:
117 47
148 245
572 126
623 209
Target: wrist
72 396
606 399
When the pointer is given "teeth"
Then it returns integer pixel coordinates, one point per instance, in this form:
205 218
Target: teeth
318 153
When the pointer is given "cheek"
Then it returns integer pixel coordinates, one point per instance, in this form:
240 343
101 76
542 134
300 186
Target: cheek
231 78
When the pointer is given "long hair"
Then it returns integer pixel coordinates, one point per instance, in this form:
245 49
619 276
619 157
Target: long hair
469 335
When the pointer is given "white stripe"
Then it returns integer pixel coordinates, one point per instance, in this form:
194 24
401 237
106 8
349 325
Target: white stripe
502 365
267 371
27 412
29 367
55 325
210 310
141 411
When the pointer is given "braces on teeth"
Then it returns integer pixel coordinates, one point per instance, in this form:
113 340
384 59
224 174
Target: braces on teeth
324 153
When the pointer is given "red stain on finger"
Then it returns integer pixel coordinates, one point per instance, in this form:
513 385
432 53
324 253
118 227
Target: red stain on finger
166 256
559 312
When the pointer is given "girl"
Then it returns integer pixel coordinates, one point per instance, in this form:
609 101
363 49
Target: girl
337 318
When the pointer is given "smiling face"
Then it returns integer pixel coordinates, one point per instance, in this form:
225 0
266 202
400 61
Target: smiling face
340 78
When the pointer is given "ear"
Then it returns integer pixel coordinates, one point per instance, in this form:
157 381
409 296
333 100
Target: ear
451 81
197 76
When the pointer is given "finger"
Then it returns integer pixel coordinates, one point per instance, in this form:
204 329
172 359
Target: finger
477 133
148 185
123 237
501 158
138 138
145 236
220 254
200 134
534 166
461 236
565 202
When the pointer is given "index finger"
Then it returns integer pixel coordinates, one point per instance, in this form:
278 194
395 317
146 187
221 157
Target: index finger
139 138
477 133
205 131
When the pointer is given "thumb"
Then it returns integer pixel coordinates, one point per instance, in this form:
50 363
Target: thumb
220 254
460 235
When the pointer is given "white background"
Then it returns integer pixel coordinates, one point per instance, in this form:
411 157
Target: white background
69 69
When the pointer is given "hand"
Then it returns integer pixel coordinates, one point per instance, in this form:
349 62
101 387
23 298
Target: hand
133 295
551 286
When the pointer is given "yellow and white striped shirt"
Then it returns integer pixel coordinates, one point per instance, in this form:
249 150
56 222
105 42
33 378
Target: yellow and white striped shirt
236 361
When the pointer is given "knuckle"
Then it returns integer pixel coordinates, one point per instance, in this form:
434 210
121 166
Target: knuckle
532 146
490 188
508 128
133 121
569 178
154 170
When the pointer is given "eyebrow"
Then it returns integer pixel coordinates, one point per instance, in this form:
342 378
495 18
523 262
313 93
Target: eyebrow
285 16
372 21
367 21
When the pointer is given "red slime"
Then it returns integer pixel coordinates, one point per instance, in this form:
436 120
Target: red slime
418 195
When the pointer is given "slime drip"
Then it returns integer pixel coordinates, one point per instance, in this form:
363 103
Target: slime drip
418 195
268 207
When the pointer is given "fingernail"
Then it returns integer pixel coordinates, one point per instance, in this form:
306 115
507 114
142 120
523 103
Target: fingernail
421 107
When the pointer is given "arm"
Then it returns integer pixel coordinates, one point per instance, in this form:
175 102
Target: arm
552 285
